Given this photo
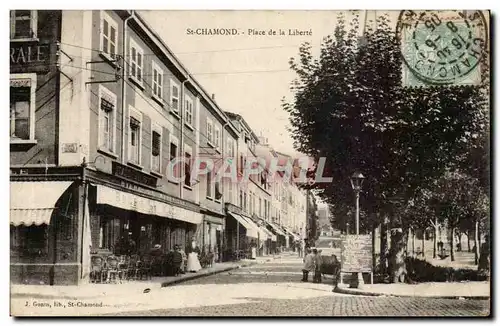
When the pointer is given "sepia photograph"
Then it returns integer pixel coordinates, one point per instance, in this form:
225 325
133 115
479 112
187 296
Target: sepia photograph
250 163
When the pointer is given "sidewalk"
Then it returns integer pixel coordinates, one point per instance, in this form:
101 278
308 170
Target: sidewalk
450 290
93 291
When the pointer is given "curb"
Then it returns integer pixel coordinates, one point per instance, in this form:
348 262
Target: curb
227 269
162 284
375 294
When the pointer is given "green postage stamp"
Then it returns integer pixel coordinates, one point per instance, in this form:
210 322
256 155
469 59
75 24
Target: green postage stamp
442 47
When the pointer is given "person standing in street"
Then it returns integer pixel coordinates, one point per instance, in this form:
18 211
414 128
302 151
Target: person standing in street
317 266
308 265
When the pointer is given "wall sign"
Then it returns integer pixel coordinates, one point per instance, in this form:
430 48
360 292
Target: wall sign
29 57
131 174
356 253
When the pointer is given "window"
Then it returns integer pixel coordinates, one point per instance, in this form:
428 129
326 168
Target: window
174 96
229 191
210 132
22 106
156 149
23 24
173 150
209 184
245 202
134 149
230 147
217 137
136 62
157 82
189 111
107 120
187 165
109 36
260 206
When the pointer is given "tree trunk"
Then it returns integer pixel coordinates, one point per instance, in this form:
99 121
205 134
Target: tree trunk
434 255
423 243
413 243
452 244
459 245
397 256
374 260
476 243
384 248
397 253
468 241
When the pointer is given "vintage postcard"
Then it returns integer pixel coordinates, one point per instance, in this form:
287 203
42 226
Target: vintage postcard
250 163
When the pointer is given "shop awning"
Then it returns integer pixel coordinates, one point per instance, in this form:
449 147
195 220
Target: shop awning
252 229
270 235
33 202
277 229
128 201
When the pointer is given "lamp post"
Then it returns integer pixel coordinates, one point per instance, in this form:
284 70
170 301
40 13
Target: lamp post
356 183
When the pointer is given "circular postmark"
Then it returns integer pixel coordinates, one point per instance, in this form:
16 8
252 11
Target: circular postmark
442 47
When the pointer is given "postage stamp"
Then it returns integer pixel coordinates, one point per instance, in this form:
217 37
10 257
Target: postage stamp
442 47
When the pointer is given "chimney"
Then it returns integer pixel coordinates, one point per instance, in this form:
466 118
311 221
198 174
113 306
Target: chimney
213 97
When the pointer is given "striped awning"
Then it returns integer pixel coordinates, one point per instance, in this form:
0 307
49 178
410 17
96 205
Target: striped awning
252 230
33 202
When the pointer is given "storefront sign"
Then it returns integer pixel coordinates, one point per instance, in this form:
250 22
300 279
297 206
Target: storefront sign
124 200
356 253
29 56
129 173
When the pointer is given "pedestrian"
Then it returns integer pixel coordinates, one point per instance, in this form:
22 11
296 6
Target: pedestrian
177 260
317 266
308 265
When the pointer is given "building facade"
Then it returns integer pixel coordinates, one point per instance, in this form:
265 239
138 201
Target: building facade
107 132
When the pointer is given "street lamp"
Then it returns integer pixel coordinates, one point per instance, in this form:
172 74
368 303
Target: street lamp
356 182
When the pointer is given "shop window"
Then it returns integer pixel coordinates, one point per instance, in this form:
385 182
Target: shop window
22 107
156 151
29 241
109 36
136 62
23 24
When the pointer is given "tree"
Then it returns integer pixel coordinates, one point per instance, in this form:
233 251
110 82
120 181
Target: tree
349 106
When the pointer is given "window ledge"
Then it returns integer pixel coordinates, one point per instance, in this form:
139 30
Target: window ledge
25 39
173 182
189 126
106 57
15 141
107 153
158 100
136 82
175 114
217 149
135 165
156 174
209 143
209 198
218 201
188 187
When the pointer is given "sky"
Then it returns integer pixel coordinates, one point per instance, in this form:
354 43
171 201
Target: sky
249 74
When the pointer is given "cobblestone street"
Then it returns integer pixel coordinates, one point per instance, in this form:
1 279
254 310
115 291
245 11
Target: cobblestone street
282 294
